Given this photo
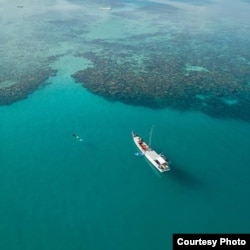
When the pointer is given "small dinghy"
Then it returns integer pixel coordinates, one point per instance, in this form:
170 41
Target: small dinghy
139 154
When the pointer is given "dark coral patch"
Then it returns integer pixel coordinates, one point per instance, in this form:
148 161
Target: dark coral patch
156 74
25 85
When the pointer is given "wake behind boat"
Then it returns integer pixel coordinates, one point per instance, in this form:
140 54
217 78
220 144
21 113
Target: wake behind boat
158 160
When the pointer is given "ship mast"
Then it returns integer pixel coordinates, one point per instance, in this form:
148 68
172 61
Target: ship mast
150 135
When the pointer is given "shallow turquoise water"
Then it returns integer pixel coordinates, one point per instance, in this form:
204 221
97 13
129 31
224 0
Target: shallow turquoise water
59 193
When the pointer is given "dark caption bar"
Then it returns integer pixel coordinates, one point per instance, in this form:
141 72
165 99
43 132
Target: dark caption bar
211 241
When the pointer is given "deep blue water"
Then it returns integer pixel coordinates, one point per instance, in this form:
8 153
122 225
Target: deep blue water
59 193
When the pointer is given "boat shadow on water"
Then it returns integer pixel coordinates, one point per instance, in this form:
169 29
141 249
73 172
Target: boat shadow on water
182 176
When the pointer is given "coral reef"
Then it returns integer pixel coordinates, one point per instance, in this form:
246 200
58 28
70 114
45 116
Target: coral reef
158 73
24 84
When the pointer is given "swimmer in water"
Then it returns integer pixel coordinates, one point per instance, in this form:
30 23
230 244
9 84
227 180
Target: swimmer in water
77 137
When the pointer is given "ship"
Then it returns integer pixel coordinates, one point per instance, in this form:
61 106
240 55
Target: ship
159 161
106 8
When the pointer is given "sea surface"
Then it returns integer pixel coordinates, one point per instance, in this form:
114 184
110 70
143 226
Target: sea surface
61 193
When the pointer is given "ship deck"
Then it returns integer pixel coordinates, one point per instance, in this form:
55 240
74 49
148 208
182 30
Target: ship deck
152 154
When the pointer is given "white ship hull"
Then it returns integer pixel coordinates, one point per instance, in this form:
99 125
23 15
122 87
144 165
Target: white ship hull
106 8
158 160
